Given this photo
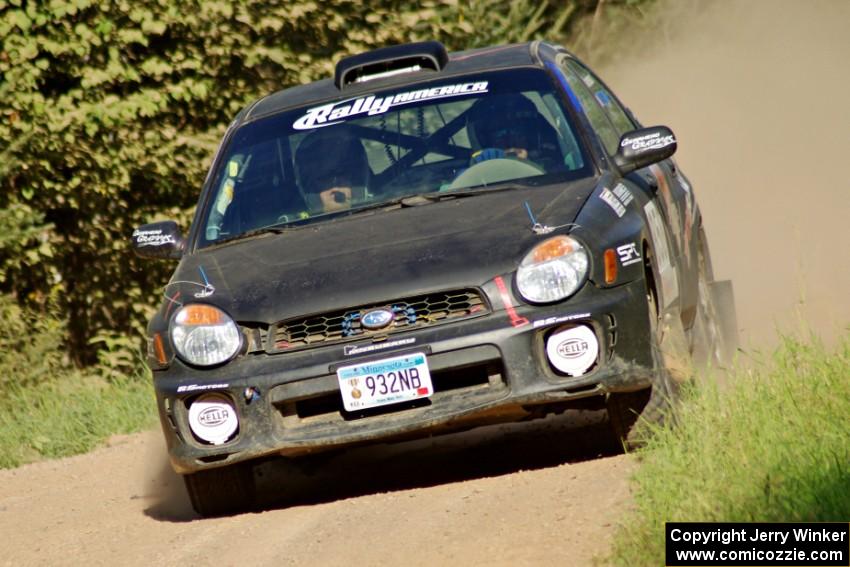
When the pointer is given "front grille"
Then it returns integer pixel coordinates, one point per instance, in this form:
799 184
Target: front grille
410 313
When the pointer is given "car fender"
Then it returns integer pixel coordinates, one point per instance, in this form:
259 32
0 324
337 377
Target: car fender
611 219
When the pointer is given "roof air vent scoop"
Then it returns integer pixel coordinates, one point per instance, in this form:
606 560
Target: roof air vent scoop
388 61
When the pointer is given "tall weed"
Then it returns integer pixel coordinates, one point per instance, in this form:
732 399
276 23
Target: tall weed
771 445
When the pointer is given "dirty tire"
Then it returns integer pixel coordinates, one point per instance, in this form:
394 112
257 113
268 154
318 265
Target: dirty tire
631 415
222 491
623 411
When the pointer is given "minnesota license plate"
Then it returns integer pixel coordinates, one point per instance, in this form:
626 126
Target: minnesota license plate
383 382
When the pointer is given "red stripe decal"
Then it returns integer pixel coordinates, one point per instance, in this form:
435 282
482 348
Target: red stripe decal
516 320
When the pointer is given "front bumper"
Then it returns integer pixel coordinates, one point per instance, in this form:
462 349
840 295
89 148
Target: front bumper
485 370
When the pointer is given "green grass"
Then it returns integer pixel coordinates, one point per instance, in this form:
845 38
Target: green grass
49 408
69 415
772 444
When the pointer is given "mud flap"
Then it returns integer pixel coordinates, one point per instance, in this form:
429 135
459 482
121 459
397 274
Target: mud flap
676 356
723 296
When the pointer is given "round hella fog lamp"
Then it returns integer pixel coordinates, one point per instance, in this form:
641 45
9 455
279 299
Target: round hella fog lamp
573 350
552 270
213 418
204 335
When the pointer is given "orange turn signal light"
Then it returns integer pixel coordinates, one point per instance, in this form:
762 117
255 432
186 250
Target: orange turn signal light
610 266
199 314
552 248
159 349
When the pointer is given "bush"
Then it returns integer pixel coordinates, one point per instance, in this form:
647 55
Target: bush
114 110
31 346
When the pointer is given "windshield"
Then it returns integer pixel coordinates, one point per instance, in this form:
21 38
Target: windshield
436 137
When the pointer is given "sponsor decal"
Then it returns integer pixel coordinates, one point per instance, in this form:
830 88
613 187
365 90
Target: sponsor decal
573 351
628 254
669 279
352 350
199 387
336 112
516 319
377 319
652 141
560 319
623 194
213 416
573 348
613 202
152 238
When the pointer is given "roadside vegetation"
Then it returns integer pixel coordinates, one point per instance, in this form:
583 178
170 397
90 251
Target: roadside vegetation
49 408
771 444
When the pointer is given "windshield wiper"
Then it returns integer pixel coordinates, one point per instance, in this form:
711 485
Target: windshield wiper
273 229
418 199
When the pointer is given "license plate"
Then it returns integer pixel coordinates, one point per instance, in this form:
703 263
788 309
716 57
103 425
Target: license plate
383 382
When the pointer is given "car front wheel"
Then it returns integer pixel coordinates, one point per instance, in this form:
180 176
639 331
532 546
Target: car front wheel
631 415
221 491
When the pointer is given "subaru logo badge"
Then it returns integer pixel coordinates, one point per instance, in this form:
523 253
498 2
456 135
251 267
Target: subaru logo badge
377 319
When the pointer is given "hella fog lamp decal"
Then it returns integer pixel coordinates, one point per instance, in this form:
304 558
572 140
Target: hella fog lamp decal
573 350
213 419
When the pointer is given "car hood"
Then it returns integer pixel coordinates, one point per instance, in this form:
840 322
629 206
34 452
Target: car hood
376 256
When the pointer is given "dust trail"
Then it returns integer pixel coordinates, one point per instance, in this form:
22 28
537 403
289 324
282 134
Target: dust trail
757 93
165 496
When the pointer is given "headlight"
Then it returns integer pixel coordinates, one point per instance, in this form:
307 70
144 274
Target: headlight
553 270
204 335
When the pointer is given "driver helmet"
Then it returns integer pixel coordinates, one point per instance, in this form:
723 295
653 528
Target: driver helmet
332 156
512 121
504 121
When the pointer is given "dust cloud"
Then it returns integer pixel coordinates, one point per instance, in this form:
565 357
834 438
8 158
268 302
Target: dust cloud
163 490
758 93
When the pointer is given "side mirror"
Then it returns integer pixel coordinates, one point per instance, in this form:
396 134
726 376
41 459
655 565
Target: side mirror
161 240
643 147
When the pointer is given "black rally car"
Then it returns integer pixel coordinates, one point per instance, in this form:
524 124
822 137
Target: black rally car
424 243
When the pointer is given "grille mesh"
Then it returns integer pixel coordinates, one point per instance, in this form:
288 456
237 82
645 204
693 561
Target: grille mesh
410 313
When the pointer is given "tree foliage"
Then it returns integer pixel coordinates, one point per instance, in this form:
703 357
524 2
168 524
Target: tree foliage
110 112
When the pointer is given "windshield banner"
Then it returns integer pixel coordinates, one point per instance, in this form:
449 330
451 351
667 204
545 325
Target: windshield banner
335 112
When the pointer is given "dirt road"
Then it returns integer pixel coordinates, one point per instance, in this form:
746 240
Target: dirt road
757 93
532 494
